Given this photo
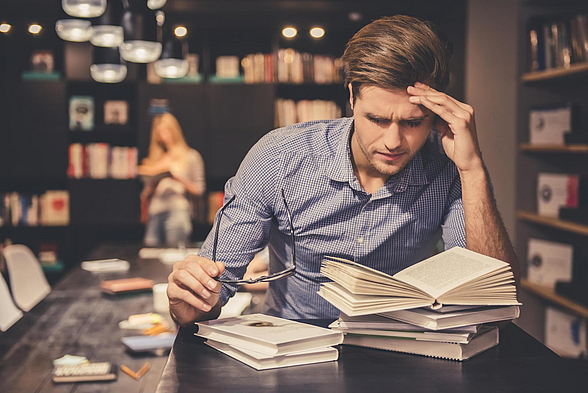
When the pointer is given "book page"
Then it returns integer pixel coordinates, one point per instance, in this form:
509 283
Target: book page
448 270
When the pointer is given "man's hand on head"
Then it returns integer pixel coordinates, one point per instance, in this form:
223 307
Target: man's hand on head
455 123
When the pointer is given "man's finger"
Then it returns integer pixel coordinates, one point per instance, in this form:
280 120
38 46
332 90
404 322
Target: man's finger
175 293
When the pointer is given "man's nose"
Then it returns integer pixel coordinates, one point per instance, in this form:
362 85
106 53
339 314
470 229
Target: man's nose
392 137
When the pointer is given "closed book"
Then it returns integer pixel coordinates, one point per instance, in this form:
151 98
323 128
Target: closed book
423 335
437 321
260 361
266 334
486 339
125 285
454 277
378 322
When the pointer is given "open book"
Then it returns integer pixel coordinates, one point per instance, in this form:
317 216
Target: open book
456 276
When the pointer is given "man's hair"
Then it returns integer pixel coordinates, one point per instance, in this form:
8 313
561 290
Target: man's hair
395 52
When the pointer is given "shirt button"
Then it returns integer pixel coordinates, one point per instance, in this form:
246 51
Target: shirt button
360 240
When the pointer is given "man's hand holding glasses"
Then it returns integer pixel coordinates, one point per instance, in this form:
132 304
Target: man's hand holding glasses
194 285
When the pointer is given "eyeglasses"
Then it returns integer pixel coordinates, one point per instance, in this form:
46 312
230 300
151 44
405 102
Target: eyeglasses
272 277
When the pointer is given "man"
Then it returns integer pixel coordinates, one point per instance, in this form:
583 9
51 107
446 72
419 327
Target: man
379 188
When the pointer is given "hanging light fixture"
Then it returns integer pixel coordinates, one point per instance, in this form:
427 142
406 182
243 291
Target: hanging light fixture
84 8
172 63
156 4
140 34
107 66
75 30
106 29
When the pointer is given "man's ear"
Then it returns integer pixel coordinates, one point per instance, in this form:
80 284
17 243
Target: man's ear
350 95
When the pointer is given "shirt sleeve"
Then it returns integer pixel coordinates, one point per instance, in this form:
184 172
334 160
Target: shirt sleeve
246 222
196 171
454 224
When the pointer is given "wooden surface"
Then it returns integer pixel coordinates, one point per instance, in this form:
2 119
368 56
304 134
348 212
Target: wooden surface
553 222
575 69
518 364
549 294
77 319
571 148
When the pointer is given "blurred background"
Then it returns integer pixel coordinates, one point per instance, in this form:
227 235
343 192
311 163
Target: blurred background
75 119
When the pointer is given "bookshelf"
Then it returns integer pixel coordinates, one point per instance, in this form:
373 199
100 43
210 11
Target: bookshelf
566 226
543 89
550 295
572 148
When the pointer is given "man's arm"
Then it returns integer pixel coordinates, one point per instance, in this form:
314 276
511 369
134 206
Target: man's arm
455 122
485 231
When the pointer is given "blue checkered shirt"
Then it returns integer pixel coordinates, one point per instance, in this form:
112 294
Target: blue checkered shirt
390 230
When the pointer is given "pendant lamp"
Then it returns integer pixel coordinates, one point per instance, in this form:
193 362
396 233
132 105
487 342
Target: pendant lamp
156 4
140 34
172 63
84 8
74 30
106 29
107 66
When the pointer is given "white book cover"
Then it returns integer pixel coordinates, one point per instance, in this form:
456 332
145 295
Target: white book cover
261 361
267 334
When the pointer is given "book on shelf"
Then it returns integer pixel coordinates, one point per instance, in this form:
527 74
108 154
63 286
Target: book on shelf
261 361
116 112
100 161
267 334
454 277
289 112
81 113
558 43
487 338
431 319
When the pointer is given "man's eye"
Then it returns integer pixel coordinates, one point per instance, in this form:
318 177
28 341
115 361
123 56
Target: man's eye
414 124
378 121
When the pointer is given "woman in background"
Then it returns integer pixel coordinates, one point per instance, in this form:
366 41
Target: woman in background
172 172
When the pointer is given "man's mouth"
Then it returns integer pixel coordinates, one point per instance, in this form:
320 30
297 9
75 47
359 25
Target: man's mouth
390 156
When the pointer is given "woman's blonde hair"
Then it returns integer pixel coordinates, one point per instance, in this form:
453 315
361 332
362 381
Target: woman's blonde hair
156 146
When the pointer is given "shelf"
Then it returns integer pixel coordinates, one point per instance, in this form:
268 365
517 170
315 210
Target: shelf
575 69
571 148
553 222
549 294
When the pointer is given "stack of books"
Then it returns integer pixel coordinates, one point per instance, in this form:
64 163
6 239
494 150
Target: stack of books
436 307
264 342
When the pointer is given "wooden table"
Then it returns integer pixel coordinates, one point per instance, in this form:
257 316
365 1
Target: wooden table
77 319
519 364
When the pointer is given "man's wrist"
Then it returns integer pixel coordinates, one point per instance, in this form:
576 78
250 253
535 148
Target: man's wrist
476 171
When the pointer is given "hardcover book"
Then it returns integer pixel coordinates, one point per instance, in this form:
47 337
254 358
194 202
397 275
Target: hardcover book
267 335
485 339
260 361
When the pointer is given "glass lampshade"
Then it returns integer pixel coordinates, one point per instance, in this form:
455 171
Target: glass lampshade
108 73
84 8
74 30
106 35
171 68
155 4
140 51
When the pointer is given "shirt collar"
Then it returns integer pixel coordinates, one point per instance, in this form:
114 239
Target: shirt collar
339 168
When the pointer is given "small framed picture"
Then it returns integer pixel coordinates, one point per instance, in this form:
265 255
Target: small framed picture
42 61
81 113
116 112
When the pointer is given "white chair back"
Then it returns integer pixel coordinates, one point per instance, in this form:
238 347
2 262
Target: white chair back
9 314
27 281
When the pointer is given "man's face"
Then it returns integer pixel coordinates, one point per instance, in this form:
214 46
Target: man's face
389 130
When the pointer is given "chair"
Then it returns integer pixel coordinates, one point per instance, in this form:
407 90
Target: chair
9 314
27 281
